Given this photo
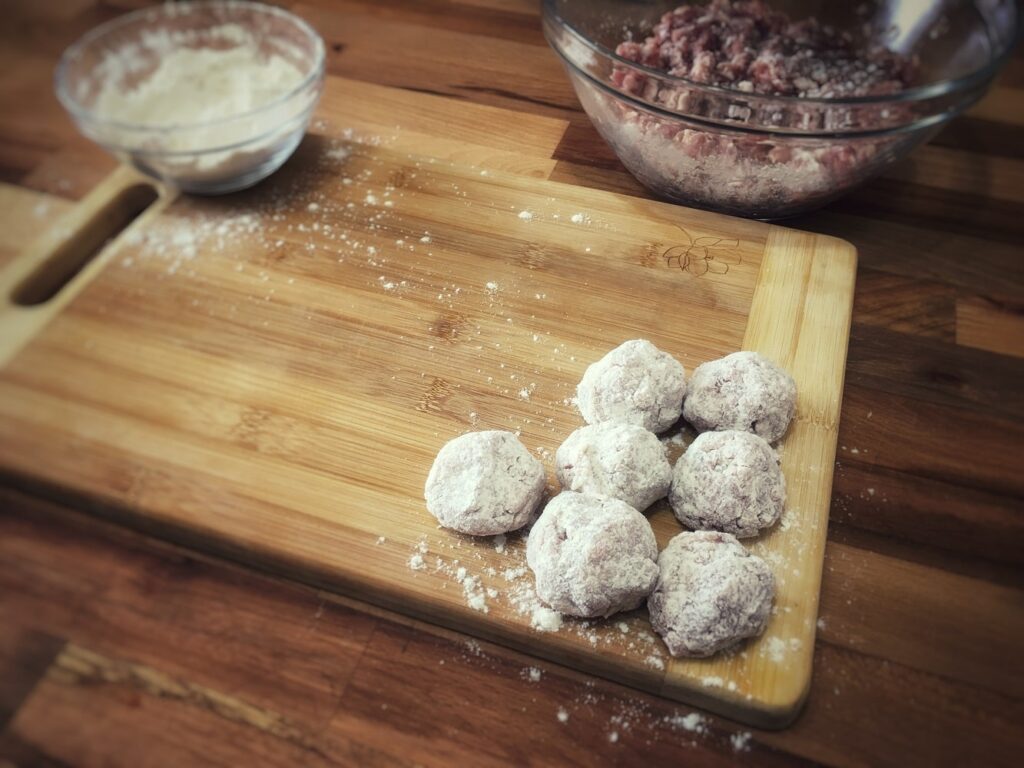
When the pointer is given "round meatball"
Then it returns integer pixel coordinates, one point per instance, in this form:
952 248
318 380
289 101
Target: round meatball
711 593
615 459
636 383
728 481
592 556
743 390
484 483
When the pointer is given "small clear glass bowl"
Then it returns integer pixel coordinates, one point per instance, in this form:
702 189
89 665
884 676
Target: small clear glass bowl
209 156
770 157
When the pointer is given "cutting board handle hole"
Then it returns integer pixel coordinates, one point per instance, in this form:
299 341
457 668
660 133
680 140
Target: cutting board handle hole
80 247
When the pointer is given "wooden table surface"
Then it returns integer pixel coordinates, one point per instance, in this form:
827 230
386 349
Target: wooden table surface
116 649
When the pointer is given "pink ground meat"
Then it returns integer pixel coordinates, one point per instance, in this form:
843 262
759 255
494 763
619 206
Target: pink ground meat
746 46
750 47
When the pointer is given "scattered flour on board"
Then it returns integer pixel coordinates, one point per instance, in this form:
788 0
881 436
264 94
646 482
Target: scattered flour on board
562 715
526 215
740 741
532 674
693 722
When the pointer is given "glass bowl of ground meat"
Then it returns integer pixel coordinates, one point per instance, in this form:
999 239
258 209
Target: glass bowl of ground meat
771 108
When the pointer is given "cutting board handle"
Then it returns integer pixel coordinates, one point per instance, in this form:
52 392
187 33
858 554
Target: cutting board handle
50 272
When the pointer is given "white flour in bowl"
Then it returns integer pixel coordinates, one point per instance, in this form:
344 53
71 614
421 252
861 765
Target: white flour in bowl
198 85
179 92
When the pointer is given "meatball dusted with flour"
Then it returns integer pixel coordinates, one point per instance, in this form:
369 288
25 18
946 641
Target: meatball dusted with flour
615 459
636 383
711 593
592 556
484 483
743 390
728 481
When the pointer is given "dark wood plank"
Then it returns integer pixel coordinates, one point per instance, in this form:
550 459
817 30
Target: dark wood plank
25 656
957 445
915 365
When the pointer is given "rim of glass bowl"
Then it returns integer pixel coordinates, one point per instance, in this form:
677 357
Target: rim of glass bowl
80 113
919 93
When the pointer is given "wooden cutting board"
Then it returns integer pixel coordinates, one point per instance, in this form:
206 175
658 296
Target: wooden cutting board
268 376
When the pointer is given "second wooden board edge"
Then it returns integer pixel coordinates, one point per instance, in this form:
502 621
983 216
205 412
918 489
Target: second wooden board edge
800 318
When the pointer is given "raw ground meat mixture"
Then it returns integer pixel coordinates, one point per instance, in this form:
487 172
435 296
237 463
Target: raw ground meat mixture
728 481
711 593
749 48
592 556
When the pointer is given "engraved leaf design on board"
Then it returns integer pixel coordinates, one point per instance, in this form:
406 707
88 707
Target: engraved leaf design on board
704 254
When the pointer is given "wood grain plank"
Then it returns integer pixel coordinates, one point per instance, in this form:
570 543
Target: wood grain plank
954 725
905 304
25 656
934 371
941 210
992 325
979 525
926 251
997 178
486 70
866 592
932 441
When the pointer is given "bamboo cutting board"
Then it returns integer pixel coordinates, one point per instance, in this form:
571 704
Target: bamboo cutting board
269 376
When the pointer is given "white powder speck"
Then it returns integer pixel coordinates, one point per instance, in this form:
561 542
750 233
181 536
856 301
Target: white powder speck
821 624
370 199
425 239
740 741
524 393
655 661
580 218
313 207
775 648
416 562
499 543
533 674
613 736
563 716
525 215
380 540
693 722
543 619
492 287
712 681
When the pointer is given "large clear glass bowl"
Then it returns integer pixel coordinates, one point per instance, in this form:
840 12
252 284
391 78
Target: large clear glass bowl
769 157
207 156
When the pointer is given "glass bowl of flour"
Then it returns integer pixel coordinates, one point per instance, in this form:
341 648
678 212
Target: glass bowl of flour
210 97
